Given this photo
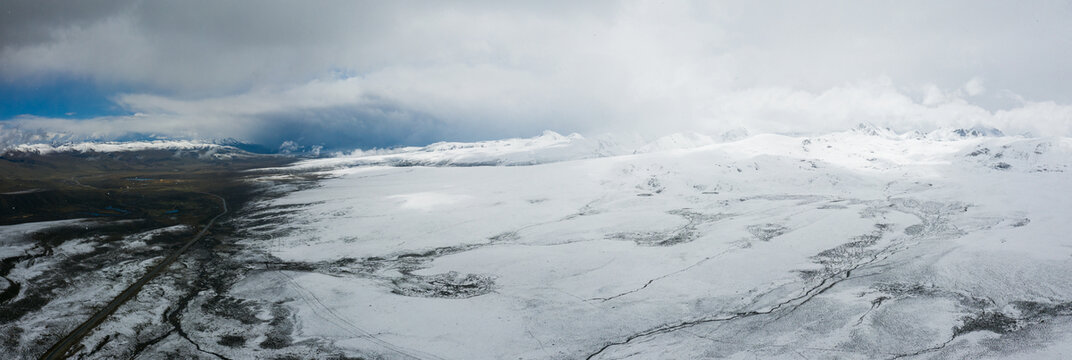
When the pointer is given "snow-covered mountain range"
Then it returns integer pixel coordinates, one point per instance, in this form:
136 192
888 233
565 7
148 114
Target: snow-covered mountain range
100 147
553 147
549 146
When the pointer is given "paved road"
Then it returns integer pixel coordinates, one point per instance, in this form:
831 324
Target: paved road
59 351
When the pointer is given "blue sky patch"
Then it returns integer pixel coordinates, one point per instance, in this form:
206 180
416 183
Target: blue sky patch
59 98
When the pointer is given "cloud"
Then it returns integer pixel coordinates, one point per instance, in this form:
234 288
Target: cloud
974 87
28 22
369 111
374 74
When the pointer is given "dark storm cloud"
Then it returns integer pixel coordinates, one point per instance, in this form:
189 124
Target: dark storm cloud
24 22
369 125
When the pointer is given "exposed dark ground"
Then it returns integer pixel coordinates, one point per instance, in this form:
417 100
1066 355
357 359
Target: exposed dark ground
121 194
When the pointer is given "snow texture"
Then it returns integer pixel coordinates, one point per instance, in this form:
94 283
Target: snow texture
861 244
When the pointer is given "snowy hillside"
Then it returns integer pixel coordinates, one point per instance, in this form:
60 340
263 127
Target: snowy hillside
861 244
546 148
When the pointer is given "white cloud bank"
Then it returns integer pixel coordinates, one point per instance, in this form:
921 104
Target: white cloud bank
377 74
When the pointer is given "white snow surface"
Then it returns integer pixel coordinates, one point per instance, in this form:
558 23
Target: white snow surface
546 148
15 239
856 245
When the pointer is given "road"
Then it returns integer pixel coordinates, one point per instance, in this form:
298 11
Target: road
59 351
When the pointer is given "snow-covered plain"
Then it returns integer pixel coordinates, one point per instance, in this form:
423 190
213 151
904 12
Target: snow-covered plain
861 244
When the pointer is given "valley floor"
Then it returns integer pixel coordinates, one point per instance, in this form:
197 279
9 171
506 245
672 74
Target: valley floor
849 246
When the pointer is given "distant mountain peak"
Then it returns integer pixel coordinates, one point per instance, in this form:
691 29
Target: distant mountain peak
734 134
870 129
675 141
979 131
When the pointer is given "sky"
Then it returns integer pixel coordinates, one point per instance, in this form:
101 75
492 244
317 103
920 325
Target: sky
350 74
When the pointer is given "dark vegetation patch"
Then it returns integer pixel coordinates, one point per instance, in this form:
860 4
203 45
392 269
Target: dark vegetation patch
983 313
506 236
1035 310
849 253
986 321
344 357
282 325
685 233
847 256
901 289
232 341
451 285
766 232
913 230
405 282
128 185
652 186
287 357
244 311
832 206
